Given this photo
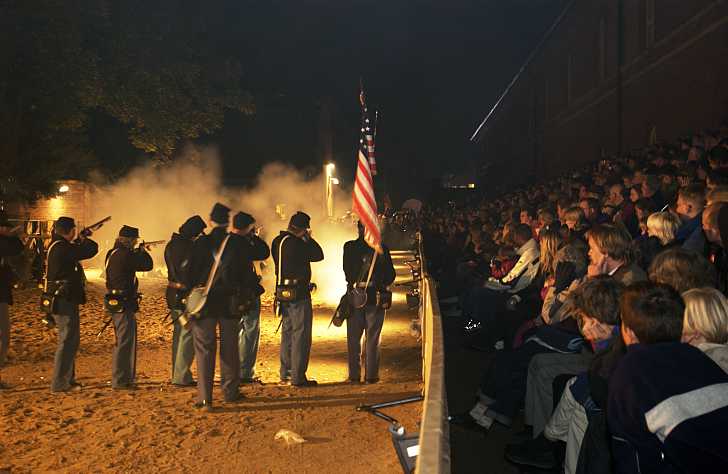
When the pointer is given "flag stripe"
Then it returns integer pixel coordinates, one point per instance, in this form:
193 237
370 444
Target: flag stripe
364 199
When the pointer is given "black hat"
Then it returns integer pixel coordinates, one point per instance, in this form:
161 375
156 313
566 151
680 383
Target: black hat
220 213
241 220
300 220
65 223
130 232
4 222
192 226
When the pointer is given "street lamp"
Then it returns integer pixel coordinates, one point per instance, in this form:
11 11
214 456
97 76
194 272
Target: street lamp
329 181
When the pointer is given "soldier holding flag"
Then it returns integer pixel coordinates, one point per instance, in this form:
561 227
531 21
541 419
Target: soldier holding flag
369 296
371 275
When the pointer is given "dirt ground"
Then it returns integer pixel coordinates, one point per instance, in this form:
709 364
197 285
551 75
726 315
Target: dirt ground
154 429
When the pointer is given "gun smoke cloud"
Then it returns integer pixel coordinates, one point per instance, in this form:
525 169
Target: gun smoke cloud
158 198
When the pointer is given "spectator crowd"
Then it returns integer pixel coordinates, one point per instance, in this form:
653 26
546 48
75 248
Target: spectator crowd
602 295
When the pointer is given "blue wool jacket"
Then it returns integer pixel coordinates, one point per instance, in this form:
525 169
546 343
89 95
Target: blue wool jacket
668 411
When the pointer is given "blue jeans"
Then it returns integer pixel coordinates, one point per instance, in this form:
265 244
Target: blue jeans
248 337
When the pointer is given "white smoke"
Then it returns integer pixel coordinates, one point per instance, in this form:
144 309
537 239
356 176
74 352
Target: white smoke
158 199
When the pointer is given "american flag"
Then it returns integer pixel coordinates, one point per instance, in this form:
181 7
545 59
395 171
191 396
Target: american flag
368 131
365 202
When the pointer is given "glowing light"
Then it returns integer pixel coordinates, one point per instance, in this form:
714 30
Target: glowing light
56 207
64 188
334 180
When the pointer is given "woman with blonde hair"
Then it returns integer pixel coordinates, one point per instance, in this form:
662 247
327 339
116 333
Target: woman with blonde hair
662 228
706 323
550 241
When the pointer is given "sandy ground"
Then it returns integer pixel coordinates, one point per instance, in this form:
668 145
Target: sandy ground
154 428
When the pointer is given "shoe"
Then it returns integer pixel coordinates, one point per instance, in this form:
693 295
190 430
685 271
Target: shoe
4 386
284 382
462 419
371 381
236 397
538 453
203 405
306 383
472 326
184 385
354 381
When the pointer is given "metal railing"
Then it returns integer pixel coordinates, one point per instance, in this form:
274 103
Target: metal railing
434 442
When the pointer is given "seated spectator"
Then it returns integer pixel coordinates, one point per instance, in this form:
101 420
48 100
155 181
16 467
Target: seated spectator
627 215
597 301
643 209
485 305
571 264
528 216
665 416
717 194
706 323
575 226
682 269
503 387
662 228
715 227
651 191
592 211
690 205
716 179
546 220
616 196
610 253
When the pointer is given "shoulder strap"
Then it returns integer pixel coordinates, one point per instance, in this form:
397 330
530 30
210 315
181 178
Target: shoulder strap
365 272
215 265
108 259
48 254
279 270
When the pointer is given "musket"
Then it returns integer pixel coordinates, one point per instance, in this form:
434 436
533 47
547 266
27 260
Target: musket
106 324
152 243
95 226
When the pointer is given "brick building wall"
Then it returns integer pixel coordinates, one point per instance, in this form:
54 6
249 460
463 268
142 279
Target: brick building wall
564 110
73 203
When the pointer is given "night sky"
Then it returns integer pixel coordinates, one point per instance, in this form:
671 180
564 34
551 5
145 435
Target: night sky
432 69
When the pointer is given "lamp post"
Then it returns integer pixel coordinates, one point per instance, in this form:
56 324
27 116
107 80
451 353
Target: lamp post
329 182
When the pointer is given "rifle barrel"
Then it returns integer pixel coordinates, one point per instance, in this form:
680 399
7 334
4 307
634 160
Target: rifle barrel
97 225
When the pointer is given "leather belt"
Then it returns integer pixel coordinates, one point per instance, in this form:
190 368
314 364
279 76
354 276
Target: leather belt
117 292
175 285
290 282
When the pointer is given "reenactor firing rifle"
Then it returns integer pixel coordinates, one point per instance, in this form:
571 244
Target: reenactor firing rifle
86 231
150 244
